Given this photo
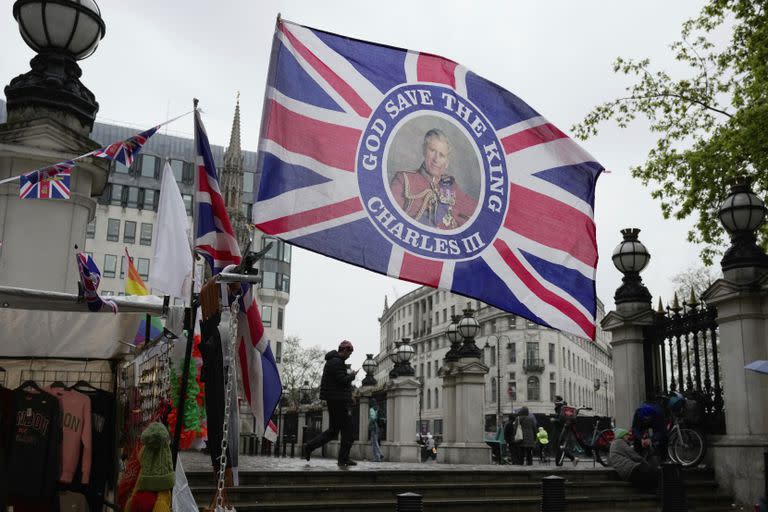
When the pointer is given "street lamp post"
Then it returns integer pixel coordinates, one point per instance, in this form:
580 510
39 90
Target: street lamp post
468 328
369 365
497 347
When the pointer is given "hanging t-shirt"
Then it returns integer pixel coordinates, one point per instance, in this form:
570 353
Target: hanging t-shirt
7 427
76 422
36 448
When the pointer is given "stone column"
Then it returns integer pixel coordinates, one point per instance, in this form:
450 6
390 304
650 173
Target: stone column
463 399
302 422
402 414
45 262
626 327
361 448
741 298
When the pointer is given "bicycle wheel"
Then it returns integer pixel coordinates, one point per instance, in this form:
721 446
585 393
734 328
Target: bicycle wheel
671 448
602 446
688 447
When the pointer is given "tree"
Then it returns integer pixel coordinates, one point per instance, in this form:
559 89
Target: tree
711 123
300 364
694 278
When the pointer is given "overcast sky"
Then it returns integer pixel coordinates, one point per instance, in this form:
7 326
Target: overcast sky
557 56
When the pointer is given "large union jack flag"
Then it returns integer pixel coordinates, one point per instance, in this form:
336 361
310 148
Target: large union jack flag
51 182
215 240
410 165
125 151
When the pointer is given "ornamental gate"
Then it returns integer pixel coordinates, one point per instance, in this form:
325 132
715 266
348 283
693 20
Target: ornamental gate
681 354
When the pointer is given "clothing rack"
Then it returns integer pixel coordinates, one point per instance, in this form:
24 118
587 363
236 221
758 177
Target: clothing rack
96 378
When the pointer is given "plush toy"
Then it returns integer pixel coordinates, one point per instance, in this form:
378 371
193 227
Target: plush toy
156 478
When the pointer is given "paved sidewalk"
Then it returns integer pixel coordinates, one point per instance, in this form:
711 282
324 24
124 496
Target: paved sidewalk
196 461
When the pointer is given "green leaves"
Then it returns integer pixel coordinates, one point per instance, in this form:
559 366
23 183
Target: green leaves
712 123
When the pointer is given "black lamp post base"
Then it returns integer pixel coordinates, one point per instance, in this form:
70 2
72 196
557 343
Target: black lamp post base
744 252
470 349
53 82
632 290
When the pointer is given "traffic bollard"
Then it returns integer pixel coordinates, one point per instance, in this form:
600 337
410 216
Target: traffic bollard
553 494
673 498
409 502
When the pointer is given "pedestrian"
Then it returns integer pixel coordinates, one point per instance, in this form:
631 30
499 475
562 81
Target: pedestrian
527 426
630 465
373 430
429 447
513 437
543 439
336 390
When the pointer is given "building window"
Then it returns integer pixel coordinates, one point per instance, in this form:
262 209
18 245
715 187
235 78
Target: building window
187 203
286 283
552 376
552 391
512 390
271 254
90 229
552 353
437 400
512 353
248 182
113 230
429 399
143 268
280 318
129 232
145 237
279 352
120 168
266 316
493 355
445 315
116 195
493 390
177 166
512 322
286 254
436 367
123 267
531 325
533 389
532 351
148 166
453 310
132 200
110 264
149 202
429 370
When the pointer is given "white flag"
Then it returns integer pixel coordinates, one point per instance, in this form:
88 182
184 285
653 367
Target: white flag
171 271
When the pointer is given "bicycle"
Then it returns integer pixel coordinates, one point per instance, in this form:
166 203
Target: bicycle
685 445
571 440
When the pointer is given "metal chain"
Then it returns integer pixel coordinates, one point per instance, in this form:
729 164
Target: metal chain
234 309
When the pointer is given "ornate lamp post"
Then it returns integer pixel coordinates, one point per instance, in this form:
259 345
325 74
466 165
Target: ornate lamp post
468 328
630 257
304 393
741 214
453 336
405 353
61 32
369 365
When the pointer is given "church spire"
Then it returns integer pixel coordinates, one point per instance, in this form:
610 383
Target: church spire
232 180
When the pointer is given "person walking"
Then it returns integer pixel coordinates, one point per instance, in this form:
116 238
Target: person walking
373 430
528 427
336 390
543 439
429 448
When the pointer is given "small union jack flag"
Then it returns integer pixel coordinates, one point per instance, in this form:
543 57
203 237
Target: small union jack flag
50 182
90 277
126 150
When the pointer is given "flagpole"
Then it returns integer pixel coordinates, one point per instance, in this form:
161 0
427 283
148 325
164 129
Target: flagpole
191 311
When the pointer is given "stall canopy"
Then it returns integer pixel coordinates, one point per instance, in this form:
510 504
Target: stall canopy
36 323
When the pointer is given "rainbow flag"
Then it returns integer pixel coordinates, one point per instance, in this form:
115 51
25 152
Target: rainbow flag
134 285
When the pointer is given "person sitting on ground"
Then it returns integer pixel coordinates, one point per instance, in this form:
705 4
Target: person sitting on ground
630 465
648 429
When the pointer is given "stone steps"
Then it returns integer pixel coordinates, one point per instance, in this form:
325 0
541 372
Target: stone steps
449 490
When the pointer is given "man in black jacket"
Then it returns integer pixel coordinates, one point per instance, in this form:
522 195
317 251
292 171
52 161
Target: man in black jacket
336 390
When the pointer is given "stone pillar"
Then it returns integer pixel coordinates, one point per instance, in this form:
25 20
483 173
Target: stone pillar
741 299
626 327
302 422
29 259
463 399
361 448
402 413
